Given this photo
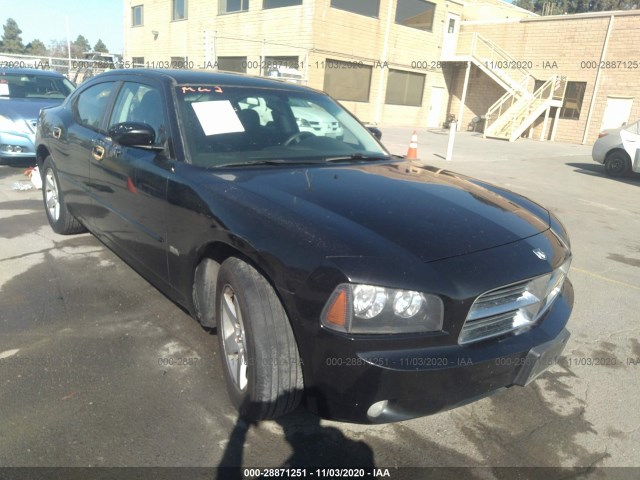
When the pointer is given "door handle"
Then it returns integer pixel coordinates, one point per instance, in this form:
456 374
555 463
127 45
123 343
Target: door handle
56 132
98 152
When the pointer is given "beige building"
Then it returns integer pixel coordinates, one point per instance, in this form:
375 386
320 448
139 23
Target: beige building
590 57
402 62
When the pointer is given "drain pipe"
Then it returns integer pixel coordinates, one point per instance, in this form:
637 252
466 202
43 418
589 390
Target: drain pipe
383 58
597 83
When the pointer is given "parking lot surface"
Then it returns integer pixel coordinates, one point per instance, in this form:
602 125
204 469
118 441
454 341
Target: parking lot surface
97 368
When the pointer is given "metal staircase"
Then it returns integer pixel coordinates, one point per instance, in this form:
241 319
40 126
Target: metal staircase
512 114
518 108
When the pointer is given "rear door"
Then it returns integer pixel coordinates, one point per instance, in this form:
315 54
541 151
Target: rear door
76 146
132 182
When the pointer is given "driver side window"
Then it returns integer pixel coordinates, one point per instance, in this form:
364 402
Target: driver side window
141 103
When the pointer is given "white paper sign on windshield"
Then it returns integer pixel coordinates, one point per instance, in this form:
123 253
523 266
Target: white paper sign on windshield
4 89
217 117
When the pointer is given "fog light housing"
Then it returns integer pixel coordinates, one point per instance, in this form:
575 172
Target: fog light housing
377 409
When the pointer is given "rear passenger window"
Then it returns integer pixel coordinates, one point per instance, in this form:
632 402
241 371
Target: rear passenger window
91 105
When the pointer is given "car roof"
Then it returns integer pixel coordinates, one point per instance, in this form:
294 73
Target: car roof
204 77
30 71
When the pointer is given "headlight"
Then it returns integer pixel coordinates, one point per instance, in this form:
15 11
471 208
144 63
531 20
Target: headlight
373 309
302 122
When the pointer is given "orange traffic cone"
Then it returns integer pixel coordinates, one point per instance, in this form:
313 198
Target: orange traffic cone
412 153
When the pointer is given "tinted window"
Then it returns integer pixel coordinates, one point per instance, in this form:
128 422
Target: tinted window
92 104
280 3
232 125
416 14
229 6
179 10
34 86
573 97
347 81
370 8
232 64
405 88
275 64
136 16
141 103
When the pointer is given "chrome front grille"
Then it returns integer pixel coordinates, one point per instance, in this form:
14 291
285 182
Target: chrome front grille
513 308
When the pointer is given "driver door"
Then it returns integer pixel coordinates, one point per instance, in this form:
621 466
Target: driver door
131 182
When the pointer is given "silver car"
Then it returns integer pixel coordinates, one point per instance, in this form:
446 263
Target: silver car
617 150
23 92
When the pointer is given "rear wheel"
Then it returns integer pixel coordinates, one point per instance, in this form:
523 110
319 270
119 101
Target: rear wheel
258 351
617 164
60 219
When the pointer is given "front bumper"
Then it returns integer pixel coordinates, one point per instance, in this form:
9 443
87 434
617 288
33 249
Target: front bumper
386 386
17 145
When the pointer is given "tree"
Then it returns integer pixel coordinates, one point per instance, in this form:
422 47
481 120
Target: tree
37 48
11 41
100 47
79 46
58 49
559 7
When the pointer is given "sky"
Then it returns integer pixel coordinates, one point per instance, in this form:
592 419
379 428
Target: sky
46 20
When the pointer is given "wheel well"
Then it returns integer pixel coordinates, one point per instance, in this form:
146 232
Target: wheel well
41 154
618 150
219 252
202 273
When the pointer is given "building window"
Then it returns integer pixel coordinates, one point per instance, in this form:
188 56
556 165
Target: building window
180 63
179 10
232 64
137 62
416 14
405 88
573 97
136 16
279 64
280 3
347 80
370 8
230 6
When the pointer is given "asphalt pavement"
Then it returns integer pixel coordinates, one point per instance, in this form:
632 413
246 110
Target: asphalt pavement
97 368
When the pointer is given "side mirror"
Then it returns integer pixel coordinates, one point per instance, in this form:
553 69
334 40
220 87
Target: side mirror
375 132
133 134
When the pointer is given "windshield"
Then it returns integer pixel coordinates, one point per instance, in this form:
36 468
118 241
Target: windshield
34 86
243 125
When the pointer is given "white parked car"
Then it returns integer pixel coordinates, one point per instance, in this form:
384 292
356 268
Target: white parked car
617 150
315 120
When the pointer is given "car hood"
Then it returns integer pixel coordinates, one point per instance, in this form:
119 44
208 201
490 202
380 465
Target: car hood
378 209
25 108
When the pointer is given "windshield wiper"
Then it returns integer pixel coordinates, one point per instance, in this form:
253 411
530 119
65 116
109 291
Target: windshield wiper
355 156
273 161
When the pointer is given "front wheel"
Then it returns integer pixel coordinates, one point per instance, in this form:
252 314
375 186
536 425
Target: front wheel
60 219
617 164
260 358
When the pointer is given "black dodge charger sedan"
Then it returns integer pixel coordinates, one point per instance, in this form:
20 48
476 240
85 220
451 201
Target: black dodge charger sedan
372 288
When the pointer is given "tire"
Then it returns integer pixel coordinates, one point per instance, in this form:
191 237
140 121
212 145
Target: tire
258 351
617 164
60 219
